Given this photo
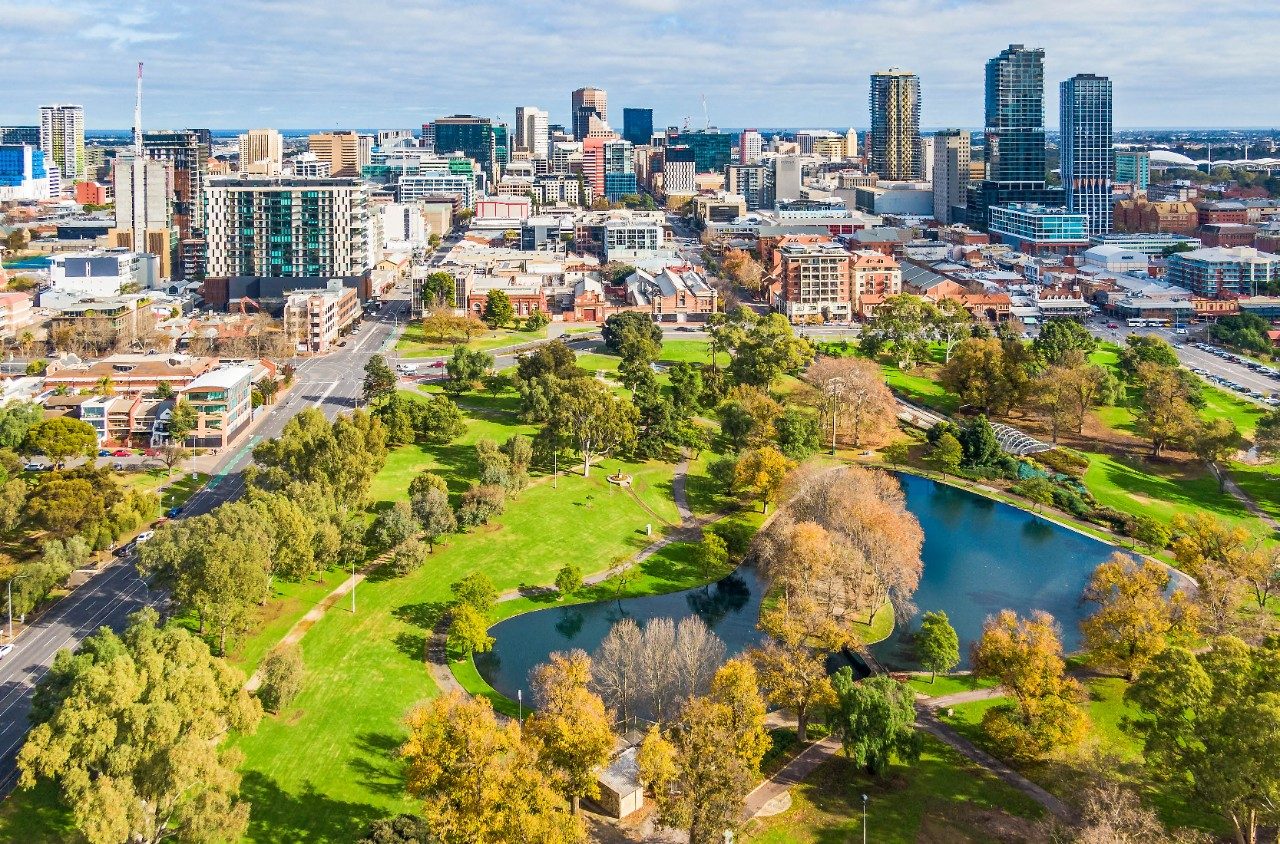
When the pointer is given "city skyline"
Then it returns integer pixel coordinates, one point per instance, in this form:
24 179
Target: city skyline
205 67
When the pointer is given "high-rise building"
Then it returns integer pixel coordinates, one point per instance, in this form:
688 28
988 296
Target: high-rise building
1133 167
22 173
62 139
1015 155
896 150
1088 157
637 126
583 103
287 227
14 135
950 175
470 135
747 181
750 147
144 212
619 169
679 167
783 182
531 131
261 152
187 154
340 149
712 150
501 146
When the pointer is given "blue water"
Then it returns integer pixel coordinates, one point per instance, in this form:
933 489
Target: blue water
39 263
980 556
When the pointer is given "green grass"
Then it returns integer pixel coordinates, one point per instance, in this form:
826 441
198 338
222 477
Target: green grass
1161 490
412 343
1261 483
652 484
37 817
1220 404
948 684
690 351
175 488
704 494
288 603
940 798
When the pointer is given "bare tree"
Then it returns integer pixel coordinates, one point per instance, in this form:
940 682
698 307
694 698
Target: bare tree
853 396
657 671
697 655
615 668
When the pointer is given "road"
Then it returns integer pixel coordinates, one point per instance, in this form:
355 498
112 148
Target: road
332 383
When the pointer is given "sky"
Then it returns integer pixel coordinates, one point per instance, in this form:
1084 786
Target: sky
798 63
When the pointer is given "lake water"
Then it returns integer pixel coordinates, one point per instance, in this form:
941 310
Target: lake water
980 556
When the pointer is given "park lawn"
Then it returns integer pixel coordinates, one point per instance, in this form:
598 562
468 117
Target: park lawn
690 351
176 488
288 603
1220 404
947 684
37 817
326 767
704 494
922 389
1261 482
652 484
412 343
1161 490
940 798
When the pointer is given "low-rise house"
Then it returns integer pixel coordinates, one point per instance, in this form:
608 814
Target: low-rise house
671 295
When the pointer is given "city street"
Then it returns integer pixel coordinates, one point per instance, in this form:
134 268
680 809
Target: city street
333 383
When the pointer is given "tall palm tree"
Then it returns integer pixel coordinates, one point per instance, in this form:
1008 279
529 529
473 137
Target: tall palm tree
105 386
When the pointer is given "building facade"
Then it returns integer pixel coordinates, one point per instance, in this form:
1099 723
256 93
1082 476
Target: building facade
747 181
1088 157
472 136
583 103
62 140
750 147
315 320
712 150
341 150
1214 272
637 126
1133 167
531 133
897 152
261 152
1035 229
22 173
951 151
186 153
619 158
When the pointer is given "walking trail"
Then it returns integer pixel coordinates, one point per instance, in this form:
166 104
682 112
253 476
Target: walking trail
1230 485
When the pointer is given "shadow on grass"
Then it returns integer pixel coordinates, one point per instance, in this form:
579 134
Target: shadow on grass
277 815
412 645
378 768
425 615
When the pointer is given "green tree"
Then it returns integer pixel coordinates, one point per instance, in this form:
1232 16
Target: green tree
896 452
797 433
713 554
438 289
1037 489
1166 415
1058 338
1266 435
379 380
875 719
432 511
568 580
16 421
1141 349
594 418
767 350
476 589
158 771
62 437
937 645
1215 441
469 630
394 525
630 327
946 454
282 672
1211 730
498 310
183 419
686 388
466 369
1151 532
900 328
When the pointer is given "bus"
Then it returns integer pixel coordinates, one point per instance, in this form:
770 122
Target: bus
1144 322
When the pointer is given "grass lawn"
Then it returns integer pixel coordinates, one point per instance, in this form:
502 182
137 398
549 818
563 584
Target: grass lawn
37 817
412 343
652 484
1220 404
940 798
1261 483
175 488
705 495
690 351
947 684
1161 489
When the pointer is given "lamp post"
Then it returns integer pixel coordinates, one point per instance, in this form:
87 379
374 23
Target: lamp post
520 707
834 390
353 587
10 602
864 819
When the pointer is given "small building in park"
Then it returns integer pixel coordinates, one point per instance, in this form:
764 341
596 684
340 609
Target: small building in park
620 791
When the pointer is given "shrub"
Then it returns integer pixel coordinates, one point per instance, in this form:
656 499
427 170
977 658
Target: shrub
480 504
1064 461
282 672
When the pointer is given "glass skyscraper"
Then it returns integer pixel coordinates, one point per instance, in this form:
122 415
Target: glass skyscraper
619 169
1015 159
897 152
1088 158
473 136
637 125
712 150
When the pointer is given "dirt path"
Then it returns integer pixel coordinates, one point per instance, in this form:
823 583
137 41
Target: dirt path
957 698
302 625
1239 494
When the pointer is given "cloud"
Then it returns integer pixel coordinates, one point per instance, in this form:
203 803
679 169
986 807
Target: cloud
307 63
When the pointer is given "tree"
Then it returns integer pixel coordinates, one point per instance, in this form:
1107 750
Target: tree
748 416
875 719
686 388
797 432
1037 489
632 326
438 290
469 630
568 580
17 418
1134 620
949 322
899 328
282 671
854 398
394 525
570 728
1266 435
743 270
946 454
761 472
1166 415
1058 338
1066 392
767 350
1215 441
793 674
477 590
172 455
596 420
713 554
497 309
432 511
1220 557
478 780
62 437
1211 730
402 829
157 772
937 645
536 321
466 369
1024 655
1151 532
183 419
991 374
1146 348
379 380
896 452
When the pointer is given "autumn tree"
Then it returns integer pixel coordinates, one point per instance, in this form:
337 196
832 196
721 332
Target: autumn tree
1134 620
1166 416
478 780
1067 390
792 669
129 729
854 398
875 719
1024 655
654 672
1211 729
743 270
937 646
1220 557
570 728
761 472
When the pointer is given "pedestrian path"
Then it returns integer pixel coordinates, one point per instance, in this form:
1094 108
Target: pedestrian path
791 774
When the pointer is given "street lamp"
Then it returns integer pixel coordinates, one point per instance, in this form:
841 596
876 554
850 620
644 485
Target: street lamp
520 707
353 587
834 389
10 601
864 819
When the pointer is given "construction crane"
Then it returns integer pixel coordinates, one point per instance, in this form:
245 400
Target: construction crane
706 115
253 302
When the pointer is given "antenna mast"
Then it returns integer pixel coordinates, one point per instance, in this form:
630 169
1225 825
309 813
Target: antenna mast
137 117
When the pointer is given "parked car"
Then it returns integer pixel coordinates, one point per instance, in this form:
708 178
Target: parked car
35 467
5 650
125 550
122 452
144 536
104 452
174 512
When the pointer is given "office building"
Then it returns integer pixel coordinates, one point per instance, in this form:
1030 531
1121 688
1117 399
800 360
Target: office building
750 147
288 227
1014 121
678 171
308 165
1214 271
186 153
101 273
1036 230
1133 167
712 150
261 152
896 149
784 184
470 135
1087 154
388 138
62 140
747 181
531 134
223 403
14 135
950 175
460 186
314 320
341 150
22 173
637 126
619 169
583 103
144 213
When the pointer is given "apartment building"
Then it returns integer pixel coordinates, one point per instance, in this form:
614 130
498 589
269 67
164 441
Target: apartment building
315 320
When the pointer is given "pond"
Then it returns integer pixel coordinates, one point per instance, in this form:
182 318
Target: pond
980 556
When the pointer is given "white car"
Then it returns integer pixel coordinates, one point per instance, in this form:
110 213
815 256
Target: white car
5 650
144 536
